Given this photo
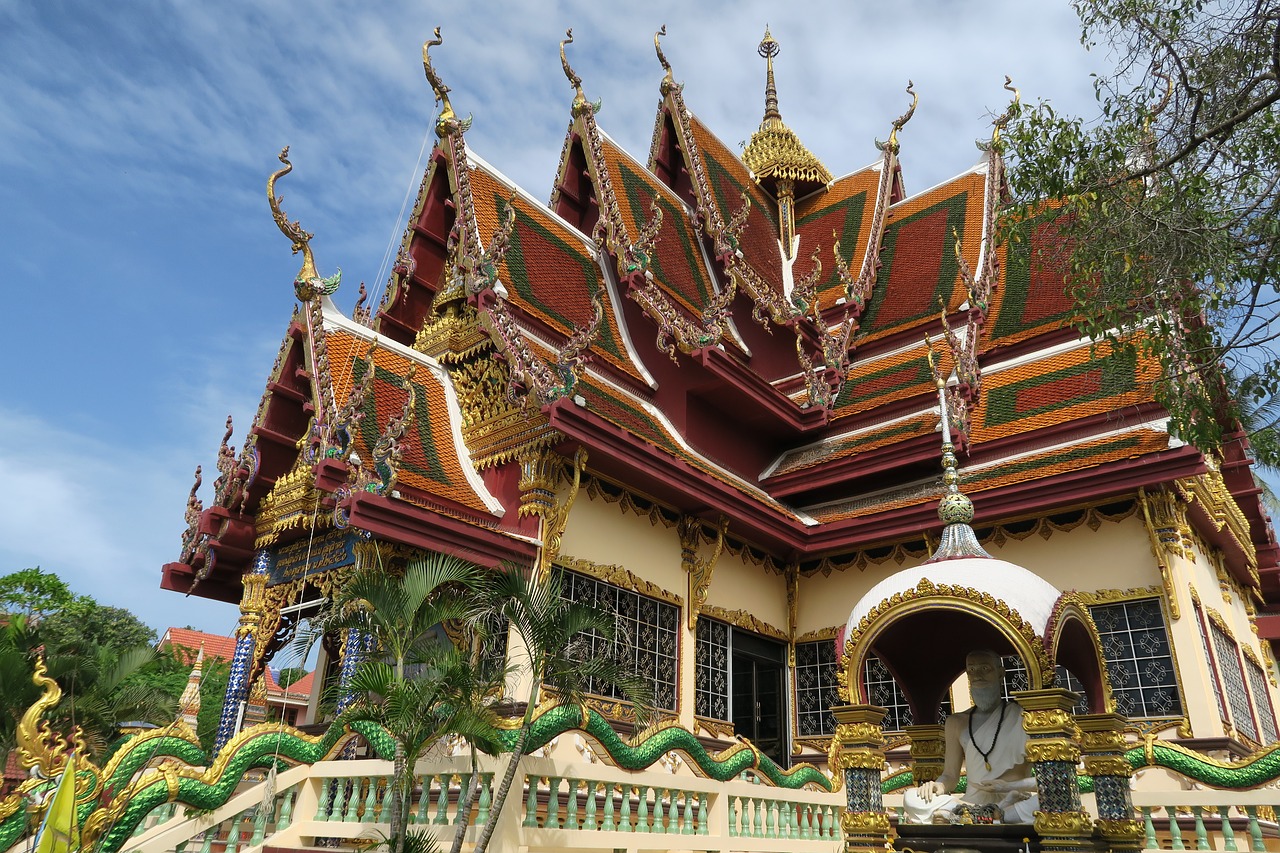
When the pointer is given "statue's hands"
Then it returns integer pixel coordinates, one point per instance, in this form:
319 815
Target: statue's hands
928 790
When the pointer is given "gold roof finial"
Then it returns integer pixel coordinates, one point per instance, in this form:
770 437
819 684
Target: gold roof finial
307 284
293 230
669 79
579 99
447 120
1002 120
769 48
901 121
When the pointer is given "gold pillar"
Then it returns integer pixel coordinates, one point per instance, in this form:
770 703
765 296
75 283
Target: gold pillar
1054 752
1102 742
928 752
860 760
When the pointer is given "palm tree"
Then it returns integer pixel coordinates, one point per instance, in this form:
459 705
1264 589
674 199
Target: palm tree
402 616
556 637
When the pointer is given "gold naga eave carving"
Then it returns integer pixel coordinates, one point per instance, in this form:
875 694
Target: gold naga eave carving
540 473
744 620
1165 519
1211 492
618 576
699 568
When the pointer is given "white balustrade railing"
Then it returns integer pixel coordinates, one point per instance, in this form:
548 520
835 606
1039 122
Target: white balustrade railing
553 805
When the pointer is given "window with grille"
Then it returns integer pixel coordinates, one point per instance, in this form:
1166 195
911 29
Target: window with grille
1015 678
1213 672
883 690
711 679
1233 681
817 677
646 638
1135 645
1262 700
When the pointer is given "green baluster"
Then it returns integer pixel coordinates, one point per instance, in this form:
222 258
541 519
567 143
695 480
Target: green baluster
772 816
384 808
659 826
322 807
1175 830
1255 832
370 815
209 834
442 800
624 819
702 813
1202 837
259 828
757 818
609 825
686 826
642 815
486 785
553 804
531 804
1150 828
352 814
591 806
464 785
571 805
806 828
286 809
1228 834
424 797
787 828
733 815
233 836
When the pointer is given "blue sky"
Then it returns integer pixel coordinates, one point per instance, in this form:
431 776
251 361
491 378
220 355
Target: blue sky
149 288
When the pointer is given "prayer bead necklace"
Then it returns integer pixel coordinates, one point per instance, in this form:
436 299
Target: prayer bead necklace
986 756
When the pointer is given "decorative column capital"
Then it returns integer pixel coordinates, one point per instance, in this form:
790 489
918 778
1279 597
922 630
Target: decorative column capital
928 751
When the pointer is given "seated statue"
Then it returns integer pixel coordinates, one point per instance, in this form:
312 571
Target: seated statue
989 742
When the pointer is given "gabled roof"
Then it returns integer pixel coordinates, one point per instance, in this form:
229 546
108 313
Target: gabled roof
845 208
551 270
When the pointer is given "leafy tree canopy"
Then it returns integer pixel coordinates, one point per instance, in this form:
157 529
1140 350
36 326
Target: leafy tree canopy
33 592
1169 202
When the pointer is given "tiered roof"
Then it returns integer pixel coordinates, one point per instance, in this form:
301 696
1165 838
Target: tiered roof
649 315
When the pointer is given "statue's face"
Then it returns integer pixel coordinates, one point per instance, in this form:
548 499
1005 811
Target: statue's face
984 670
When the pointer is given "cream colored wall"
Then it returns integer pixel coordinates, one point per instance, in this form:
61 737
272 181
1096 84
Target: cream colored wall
603 533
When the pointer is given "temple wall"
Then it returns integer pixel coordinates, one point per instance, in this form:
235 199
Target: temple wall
602 533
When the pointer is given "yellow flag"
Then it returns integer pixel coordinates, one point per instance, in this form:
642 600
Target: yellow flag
59 832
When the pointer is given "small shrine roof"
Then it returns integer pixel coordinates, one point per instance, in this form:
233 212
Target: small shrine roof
435 459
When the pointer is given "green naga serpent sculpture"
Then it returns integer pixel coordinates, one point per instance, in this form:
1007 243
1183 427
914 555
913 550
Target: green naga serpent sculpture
112 802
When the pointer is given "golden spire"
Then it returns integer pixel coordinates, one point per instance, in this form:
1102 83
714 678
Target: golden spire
955 510
775 155
769 48
579 99
189 703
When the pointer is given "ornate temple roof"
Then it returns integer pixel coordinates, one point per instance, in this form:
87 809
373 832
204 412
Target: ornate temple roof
651 314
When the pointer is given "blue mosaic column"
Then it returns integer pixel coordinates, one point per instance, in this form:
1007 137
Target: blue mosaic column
354 650
1054 753
861 762
251 604
1102 742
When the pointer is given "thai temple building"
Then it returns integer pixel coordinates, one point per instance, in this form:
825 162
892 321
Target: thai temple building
814 439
